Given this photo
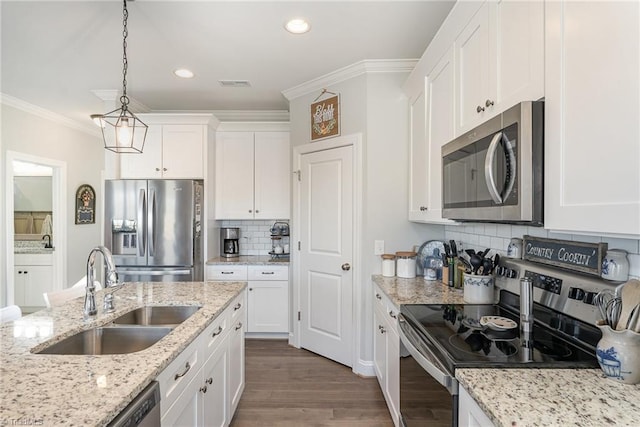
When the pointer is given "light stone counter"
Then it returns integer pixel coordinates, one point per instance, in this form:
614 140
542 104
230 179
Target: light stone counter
249 260
77 390
30 247
552 397
417 291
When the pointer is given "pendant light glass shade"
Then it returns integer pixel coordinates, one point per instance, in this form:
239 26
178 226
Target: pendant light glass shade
122 131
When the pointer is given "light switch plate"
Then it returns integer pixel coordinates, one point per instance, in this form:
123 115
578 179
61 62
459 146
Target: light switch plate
378 247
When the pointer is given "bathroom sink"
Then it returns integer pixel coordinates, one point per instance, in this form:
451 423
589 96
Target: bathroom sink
157 315
109 340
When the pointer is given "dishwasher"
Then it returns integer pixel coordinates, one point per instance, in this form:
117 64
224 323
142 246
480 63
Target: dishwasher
143 411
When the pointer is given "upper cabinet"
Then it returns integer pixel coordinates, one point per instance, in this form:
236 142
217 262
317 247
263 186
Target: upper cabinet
592 135
253 173
175 148
500 60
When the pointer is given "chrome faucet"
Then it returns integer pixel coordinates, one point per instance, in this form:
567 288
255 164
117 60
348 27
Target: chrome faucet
111 280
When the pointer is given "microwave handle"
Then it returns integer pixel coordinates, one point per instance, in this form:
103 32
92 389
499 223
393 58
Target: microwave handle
488 168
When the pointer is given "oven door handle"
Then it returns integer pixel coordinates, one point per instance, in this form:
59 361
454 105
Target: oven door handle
428 361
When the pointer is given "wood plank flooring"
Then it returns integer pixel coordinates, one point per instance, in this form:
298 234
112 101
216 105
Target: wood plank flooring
286 386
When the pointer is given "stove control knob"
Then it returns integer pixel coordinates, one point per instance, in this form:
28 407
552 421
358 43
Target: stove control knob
589 297
511 274
576 293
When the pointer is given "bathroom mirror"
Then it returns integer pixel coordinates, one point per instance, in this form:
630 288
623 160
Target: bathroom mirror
32 200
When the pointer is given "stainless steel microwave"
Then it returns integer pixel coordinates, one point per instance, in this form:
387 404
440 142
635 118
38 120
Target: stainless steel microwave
494 173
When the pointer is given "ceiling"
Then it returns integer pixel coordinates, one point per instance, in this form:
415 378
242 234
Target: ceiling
55 53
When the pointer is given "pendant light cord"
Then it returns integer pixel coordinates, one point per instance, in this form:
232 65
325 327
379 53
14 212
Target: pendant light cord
124 99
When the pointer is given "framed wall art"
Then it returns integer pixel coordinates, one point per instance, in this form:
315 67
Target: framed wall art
325 116
85 205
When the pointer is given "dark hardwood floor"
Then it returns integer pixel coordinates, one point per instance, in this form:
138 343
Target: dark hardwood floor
290 387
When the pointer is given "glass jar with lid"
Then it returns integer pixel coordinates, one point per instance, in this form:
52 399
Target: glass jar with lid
406 264
388 265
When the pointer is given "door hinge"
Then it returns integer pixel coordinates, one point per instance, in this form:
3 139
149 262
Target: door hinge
298 316
298 173
298 244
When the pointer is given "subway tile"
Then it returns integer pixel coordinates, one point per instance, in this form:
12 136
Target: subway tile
498 243
559 236
491 229
634 265
479 229
484 241
629 245
537 232
472 239
469 228
587 239
504 230
519 230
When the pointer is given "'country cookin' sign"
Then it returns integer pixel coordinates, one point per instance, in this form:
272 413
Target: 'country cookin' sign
325 118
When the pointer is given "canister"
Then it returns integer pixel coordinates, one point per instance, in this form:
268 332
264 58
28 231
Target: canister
406 264
615 265
388 265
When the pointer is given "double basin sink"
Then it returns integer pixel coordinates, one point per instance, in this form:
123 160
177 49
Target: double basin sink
133 331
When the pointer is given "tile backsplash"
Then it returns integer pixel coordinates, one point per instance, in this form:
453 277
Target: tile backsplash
254 235
496 236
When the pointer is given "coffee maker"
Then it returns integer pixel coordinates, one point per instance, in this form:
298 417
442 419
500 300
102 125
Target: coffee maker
229 246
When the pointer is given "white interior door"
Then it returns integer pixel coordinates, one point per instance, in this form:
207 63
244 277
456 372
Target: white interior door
326 252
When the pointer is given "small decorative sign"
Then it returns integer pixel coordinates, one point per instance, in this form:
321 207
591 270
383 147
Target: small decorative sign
577 256
325 117
85 205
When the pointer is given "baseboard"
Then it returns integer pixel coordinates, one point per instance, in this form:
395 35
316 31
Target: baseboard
364 368
266 335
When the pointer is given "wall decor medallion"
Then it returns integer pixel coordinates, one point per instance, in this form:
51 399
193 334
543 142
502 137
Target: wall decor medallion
85 205
325 116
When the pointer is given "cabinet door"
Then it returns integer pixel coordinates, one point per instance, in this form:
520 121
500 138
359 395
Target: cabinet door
469 412
214 388
472 59
393 374
272 175
19 285
516 68
419 173
187 410
183 151
380 348
236 363
440 130
234 175
148 164
268 306
38 279
592 137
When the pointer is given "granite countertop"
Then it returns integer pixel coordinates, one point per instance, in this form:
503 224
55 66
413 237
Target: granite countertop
552 397
249 260
91 390
30 247
417 291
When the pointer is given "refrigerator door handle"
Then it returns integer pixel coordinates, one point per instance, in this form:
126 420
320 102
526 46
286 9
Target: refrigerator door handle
140 229
152 223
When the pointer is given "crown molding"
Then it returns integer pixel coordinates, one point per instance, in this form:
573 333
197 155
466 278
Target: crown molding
19 104
349 72
253 127
252 115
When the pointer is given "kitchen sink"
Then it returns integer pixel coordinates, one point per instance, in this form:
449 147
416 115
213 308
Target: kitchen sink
160 315
108 340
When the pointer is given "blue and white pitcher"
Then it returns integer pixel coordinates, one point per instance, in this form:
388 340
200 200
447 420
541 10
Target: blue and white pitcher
618 354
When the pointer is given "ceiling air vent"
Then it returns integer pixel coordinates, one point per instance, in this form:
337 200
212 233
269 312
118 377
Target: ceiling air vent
234 83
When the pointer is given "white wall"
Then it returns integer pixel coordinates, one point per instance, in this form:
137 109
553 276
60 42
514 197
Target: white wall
84 154
373 104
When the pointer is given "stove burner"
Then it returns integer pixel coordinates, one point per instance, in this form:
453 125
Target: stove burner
556 349
480 342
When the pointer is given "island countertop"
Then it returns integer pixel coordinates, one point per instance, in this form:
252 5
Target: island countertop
75 390
417 291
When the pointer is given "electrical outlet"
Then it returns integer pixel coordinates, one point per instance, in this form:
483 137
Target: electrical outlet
378 247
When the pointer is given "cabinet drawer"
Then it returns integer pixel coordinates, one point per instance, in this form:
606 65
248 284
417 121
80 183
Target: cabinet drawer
179 373
215 332
268 272
386 307
33 259
238 309
227 272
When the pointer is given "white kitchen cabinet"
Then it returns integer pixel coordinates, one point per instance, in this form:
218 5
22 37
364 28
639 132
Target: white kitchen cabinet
499 58
198 386
171 151
592 136
226 272
33 276
268 299
253 175
419 171
386 349
469 412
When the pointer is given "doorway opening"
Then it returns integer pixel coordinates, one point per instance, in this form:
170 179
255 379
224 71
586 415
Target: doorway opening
31 213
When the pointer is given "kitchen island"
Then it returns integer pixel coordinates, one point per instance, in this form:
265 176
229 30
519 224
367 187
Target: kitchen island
78 390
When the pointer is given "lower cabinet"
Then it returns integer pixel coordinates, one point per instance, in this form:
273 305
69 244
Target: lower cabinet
469 412
33 276
268 299
203 385
386 352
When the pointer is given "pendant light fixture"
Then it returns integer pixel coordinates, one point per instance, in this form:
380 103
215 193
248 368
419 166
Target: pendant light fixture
122 131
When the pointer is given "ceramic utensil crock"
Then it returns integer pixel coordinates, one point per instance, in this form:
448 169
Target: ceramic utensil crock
617 354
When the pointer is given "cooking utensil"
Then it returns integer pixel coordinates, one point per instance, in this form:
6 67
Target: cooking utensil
601 300
454 248
613 309
633 318
475 260
630 297
487 265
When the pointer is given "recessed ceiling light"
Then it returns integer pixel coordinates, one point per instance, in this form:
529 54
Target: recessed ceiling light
184 73
297 26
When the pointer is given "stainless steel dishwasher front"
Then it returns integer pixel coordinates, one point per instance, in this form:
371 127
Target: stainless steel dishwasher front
143 411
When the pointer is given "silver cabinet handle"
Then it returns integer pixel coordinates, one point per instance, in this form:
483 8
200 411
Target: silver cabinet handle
250 289
346 266
392 315
164 169
239 326
250 211
237 307
218 332
203 389
226 272
378 296
268 272
423 208
187 366
479 109
488 103
381 329
209 380
257 211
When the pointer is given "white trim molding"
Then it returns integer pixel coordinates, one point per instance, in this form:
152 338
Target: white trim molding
349 72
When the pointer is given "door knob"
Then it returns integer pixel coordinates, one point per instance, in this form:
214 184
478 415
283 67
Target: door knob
346 266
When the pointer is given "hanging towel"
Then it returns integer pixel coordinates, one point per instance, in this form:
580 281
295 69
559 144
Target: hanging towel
29 228
47 226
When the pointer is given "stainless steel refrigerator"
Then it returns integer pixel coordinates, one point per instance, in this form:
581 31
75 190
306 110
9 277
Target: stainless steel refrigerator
154 230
